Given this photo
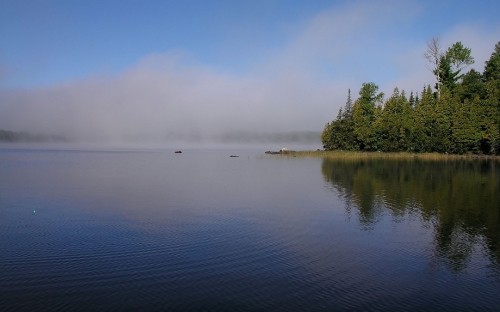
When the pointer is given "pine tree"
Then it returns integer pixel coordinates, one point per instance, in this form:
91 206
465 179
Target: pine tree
364 115
472 85
491 75
394 124
466 130
492 68
424 121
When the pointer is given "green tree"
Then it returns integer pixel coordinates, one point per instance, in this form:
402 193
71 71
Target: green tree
446 105
447 77
349 142
492 68
348 106
447 66
412 100
472 85
490 118
339 134
466 127
491 76
424 121
394 125
456 58
459 56
364 115
326 136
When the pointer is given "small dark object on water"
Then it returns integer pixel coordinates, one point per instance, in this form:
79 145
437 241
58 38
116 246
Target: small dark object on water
234 156
178 152
284 150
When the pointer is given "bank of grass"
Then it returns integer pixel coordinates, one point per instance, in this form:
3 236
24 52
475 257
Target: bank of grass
350 155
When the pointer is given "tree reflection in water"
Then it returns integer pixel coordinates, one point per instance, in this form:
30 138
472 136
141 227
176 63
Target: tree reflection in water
461 199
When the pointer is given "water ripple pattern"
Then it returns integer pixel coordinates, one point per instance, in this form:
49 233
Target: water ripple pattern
156 231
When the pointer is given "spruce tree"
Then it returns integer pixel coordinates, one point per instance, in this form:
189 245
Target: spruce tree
364 115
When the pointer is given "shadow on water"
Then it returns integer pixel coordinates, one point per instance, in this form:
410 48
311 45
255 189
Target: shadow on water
460 199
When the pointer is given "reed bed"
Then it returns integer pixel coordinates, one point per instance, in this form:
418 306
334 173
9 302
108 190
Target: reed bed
350 155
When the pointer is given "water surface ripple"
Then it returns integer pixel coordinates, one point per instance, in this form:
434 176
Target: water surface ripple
150 230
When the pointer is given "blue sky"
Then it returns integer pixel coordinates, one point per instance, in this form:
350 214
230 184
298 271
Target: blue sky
47 42
270 64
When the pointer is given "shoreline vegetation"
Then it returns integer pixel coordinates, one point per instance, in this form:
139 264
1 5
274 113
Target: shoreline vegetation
458 119
460 116
357 155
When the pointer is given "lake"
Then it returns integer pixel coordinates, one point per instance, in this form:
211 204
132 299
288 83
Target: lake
86 229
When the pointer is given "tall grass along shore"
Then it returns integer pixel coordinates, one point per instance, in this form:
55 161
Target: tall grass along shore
352 155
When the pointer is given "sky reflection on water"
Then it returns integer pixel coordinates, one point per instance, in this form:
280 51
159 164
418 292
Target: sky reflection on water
154 230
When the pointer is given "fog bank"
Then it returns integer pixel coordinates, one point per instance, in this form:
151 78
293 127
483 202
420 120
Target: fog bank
163 99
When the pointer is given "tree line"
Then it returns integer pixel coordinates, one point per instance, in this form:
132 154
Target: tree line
12 136
461 114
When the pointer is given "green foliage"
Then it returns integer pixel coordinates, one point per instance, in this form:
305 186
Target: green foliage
394 124
459 56
451 64
472 85
424 121
339 134
445 107
364 115
463 117
465 130
448 77
492 97
492 68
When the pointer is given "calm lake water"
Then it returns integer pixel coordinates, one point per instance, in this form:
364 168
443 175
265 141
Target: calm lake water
150 230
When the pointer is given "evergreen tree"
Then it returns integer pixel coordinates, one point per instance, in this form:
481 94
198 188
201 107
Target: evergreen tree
412 100
472 85
490 118
465 130
424 122
326 136
350 142
492 68
445 107
394 124
348 105
364 115
339 134
447 76
491 76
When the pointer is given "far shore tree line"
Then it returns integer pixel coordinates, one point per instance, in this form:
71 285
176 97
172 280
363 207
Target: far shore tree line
460 115
12 136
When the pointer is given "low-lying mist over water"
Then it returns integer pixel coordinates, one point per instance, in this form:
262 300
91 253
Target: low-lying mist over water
305 140
163 100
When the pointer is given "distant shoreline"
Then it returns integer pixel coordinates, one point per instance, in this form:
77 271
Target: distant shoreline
7 136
